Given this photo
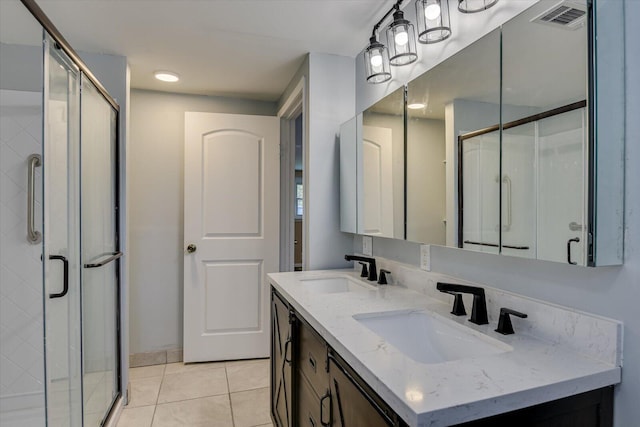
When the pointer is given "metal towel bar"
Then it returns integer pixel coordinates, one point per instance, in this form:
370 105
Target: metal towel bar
33 236
112 257
495 245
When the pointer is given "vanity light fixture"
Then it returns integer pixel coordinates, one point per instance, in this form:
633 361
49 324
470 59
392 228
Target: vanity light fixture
166 76
376 61
434 24
473 6
402 39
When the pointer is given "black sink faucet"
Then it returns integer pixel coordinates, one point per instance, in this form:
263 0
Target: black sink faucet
373 271
479 310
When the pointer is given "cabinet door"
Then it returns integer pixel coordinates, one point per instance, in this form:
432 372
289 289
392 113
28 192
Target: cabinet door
282 332
351 405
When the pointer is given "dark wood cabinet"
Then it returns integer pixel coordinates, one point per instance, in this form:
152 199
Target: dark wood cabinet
282 353
352 403
312 386
590 409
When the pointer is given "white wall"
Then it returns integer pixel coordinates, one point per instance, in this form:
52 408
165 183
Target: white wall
609 291
156 159
330 102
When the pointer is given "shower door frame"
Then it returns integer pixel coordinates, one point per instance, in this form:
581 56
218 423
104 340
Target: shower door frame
84 70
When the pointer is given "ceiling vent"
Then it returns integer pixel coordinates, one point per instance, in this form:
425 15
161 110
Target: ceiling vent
567 15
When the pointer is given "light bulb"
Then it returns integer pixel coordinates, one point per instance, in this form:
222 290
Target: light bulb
401 38
376 60
432 11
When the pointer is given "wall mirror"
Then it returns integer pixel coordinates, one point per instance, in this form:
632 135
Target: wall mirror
499 155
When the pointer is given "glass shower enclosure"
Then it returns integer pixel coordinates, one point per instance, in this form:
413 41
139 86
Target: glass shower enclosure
59 257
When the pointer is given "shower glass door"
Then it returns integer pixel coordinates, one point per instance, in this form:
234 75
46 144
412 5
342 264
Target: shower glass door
62 238
100 255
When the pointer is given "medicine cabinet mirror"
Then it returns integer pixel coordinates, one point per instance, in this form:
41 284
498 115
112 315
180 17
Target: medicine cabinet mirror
500 153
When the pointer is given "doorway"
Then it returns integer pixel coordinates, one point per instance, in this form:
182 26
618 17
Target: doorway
298 234
293 181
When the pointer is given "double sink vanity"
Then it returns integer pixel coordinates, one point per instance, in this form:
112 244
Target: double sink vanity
512 146
347 351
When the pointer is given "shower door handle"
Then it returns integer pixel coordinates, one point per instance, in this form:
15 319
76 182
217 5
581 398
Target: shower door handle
65 276
576 240
507 180
33 236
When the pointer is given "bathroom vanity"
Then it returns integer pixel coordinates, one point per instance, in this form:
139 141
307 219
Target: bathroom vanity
349 353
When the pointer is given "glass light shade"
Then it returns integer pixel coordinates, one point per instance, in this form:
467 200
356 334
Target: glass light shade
402 41
473 6
434 24
376 62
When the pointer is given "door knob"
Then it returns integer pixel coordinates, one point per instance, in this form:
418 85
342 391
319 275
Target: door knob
191 248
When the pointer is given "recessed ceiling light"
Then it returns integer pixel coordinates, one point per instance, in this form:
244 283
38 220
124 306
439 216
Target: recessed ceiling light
415 106
166 76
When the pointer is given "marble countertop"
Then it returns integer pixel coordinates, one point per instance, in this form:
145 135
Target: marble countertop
535 371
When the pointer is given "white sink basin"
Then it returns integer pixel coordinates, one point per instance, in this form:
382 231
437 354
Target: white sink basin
427 339
332 285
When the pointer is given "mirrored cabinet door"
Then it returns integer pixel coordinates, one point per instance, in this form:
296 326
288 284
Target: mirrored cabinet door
348 174
381 168
545 135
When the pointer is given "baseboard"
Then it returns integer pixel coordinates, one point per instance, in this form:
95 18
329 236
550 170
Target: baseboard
155 358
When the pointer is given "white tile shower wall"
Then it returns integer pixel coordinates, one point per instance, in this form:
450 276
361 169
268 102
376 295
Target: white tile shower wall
595 336
21 326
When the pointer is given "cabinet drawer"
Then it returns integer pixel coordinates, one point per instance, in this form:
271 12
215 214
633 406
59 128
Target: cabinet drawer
309 406
312 359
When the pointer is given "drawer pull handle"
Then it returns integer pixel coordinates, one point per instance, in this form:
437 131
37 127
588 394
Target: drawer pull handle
326 396
286 351
312 362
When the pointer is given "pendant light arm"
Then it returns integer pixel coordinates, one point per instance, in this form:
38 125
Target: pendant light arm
394 8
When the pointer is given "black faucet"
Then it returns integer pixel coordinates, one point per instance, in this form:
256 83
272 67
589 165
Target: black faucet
382 280
479 310
505 327
365 269
373 270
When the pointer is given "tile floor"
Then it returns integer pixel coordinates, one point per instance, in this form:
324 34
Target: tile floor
218 394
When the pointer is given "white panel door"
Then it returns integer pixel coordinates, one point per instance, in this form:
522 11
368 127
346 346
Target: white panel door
231 208
377 176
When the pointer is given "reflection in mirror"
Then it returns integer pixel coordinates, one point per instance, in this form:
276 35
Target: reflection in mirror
544 141
460 95
381 154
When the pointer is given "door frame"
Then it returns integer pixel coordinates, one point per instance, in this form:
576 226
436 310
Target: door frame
294 105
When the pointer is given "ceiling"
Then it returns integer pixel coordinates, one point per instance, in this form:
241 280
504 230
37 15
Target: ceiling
240 48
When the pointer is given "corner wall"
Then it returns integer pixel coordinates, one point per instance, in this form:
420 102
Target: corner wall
329 101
